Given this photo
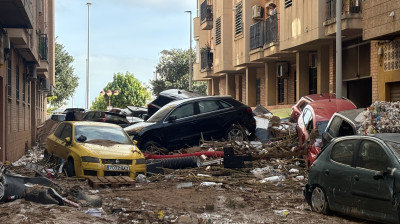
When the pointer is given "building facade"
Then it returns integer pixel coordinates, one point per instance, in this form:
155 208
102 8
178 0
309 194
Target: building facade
27 51
273 58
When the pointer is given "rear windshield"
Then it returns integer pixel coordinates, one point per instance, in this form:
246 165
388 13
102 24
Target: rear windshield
86 133
161 101
160 114
117 119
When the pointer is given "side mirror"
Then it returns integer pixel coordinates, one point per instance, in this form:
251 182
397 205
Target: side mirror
68 140
134 142
171 118
146 117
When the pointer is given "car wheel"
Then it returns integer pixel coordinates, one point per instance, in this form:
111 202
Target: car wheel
235 133
319 202
153 147
70 169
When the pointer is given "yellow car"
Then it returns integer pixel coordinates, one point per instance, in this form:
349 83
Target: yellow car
95 149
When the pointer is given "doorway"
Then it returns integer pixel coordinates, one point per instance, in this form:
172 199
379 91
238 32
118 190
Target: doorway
360 92
2 121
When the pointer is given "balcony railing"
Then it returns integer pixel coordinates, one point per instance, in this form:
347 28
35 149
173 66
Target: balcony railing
348 7
271 29
43 47
206 13
206 59
257 35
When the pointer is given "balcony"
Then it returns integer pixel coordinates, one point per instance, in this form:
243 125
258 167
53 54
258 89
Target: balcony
206 62
257 35
206 15
16 14
271 30
43 47
263 38
351 17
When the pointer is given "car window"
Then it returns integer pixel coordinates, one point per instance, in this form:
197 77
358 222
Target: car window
98 115
321 126
372 156
117 119
67 132
59 129
208 106
100 134
161 113
342 152
307 117
224 104
183 111
345 129
303 105
333 129
161 101
89 116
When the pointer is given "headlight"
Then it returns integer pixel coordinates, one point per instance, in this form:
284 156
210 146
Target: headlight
89 159
140 161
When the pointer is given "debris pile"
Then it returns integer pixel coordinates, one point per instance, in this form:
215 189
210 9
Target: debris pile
46 129
381 117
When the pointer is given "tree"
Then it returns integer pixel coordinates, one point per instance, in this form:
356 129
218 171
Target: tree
65 80
131 93
173 72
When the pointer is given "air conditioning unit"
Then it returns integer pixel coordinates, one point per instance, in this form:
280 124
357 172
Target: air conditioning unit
32 73
44 85
257 12
51 92
283 69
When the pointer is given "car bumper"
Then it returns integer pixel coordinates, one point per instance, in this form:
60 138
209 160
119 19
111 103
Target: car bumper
87 170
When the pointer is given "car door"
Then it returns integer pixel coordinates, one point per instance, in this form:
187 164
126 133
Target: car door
338 170
210 118
183 130
372 190
63 150
54 144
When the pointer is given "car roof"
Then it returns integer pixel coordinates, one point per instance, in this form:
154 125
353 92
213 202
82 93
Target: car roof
322 96
106 112
92 123
177 102
351 114
133 108
179 94
392 137
324 109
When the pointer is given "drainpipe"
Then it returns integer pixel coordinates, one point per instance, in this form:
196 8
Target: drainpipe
339 49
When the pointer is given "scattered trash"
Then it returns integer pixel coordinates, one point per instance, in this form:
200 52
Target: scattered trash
141 179
160 215
185 185
293 170
203 175
272 179
94 212
300 177
204 218
282 213
210 184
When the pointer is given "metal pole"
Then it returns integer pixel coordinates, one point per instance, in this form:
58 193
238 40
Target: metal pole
88 63
190 57
338 49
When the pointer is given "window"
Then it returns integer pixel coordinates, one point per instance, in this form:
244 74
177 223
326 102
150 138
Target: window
88 116
224 104
239 18
307 117
29 92
372 156
288 3
9 76
313 76
17 81
218 31
23 86
333 129
342 152
208 106
183 111
67 132
281 90
58 131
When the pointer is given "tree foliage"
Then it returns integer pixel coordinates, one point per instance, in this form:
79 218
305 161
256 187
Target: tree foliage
131 93
65 80
173 72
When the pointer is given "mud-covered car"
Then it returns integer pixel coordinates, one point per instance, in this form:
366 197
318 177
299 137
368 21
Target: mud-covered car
358 176
184 122
95 149
298 108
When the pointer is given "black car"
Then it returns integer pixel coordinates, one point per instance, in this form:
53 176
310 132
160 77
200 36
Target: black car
167 96
108 117
185 122
359 176
58 117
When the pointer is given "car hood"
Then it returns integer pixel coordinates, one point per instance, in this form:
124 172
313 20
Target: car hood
111 150
138 127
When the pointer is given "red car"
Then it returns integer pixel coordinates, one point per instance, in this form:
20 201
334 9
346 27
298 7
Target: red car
312 123
305 100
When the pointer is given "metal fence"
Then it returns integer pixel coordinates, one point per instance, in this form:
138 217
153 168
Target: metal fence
348 7
271 29
206 59
206 13
43 47
257 35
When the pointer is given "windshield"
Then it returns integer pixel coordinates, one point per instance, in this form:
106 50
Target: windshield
321 126
161 113
87 134
395 147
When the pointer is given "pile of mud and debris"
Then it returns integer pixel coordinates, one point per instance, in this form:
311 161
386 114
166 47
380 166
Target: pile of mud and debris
46 129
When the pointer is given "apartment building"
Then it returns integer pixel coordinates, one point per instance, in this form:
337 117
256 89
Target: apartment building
26 72
273 59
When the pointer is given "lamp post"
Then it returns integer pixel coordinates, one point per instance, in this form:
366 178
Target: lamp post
190 55
109 94
87 62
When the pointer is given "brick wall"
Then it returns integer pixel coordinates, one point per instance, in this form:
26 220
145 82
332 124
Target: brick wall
222 85
332 68
243 77
374 70
291 95
260 72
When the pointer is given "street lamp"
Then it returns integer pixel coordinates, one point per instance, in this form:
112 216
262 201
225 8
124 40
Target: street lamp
190 55
87 62
109 93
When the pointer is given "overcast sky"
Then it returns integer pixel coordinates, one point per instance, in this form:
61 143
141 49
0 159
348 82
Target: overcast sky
125 35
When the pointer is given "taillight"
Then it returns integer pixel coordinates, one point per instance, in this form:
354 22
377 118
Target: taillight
104 118
249 110
149 106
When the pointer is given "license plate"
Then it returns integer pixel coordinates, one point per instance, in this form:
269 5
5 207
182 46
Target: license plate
117 167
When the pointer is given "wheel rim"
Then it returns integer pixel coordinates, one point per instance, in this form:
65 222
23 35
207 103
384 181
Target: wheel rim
235 134
318 199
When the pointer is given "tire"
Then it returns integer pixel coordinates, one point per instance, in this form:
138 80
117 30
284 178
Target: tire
235 133
46 155
153 147
319 201
70 169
